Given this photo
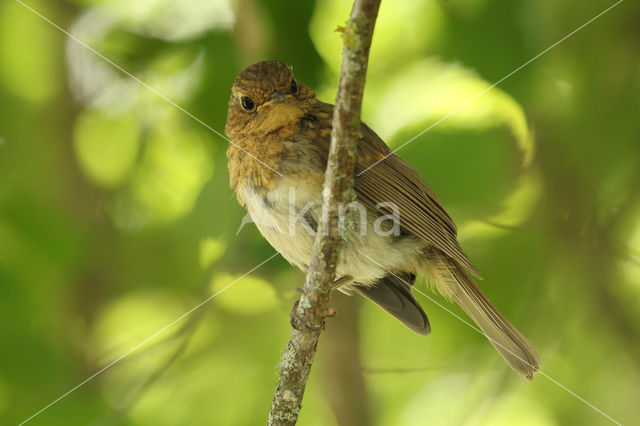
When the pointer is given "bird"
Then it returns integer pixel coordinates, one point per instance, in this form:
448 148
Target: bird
280 137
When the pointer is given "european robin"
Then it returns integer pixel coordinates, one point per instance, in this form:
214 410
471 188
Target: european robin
280 135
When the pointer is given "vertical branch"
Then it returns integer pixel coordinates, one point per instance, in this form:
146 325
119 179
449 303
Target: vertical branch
313 305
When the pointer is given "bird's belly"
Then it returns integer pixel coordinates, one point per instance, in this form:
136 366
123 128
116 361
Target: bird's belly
287 217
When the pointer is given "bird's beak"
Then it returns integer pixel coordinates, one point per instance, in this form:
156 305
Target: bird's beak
277 97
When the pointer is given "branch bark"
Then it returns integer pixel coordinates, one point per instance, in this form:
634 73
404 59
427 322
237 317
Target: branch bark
313 306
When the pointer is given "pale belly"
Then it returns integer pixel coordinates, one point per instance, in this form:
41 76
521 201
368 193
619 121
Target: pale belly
287 217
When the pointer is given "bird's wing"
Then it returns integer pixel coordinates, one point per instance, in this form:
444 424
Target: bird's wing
395 181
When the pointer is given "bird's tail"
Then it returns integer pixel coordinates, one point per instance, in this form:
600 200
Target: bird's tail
453 281
393 294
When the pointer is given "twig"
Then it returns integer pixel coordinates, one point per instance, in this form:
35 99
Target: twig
313 306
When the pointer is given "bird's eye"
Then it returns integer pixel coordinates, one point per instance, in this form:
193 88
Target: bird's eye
247 103
294 86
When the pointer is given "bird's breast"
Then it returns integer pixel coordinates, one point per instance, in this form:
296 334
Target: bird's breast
287 215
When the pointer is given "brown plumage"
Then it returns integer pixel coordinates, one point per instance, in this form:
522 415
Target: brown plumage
280 137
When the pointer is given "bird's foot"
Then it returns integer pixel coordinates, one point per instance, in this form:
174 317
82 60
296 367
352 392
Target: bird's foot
298 322
341 281
301 324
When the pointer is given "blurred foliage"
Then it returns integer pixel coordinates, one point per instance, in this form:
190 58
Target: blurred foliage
116 218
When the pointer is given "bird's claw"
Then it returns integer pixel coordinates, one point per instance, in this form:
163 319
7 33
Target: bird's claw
300 324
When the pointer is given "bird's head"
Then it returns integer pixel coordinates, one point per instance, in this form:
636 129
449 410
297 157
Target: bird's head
266 97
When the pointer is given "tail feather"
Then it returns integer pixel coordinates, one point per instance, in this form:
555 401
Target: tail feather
393 295
452 280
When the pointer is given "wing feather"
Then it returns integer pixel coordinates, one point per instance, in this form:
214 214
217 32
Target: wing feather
395 181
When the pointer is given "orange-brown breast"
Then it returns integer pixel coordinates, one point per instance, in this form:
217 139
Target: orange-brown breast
285 142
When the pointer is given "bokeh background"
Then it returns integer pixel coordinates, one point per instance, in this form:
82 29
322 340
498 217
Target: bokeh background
116 217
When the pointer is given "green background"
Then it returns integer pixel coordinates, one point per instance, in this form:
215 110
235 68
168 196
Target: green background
116 217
